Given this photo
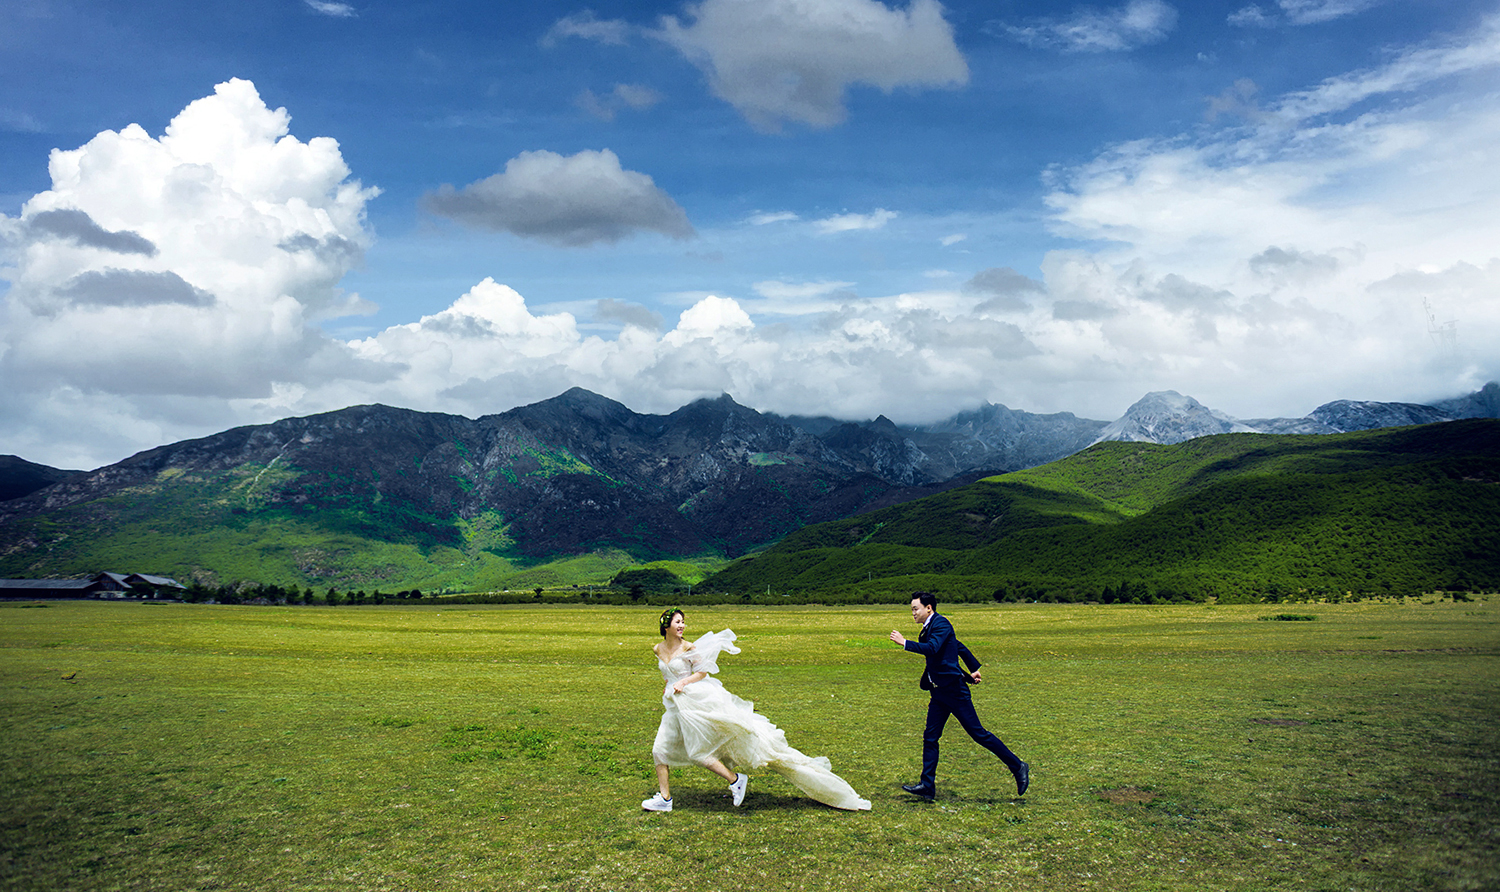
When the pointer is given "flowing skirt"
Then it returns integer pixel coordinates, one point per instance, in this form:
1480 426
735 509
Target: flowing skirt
706 721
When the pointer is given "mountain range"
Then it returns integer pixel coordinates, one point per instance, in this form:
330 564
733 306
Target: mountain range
380 495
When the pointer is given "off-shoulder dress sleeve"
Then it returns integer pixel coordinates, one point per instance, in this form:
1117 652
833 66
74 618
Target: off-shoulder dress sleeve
704 657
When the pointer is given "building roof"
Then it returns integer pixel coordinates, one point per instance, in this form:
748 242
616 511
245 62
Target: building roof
117 581
48 584
167 581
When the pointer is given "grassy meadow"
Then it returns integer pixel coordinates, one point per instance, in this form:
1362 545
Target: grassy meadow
177 747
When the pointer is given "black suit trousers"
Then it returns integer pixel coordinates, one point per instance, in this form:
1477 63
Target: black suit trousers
955 700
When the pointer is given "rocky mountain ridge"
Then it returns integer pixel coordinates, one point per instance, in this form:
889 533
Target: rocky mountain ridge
580 471
990 437
564 476
1168 417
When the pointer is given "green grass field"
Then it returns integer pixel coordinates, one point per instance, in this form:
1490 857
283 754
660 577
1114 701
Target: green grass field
175 747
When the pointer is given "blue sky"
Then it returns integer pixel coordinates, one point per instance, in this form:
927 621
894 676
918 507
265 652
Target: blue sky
225 214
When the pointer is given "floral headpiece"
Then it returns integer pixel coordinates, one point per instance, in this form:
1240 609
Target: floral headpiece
666 617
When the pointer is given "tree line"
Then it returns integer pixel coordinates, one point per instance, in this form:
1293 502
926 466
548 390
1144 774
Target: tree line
271 593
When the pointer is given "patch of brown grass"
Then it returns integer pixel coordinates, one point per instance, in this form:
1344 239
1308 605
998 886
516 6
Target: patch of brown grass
1128 796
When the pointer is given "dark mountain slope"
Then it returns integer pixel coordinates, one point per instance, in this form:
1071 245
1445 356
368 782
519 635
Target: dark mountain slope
19 477
325 498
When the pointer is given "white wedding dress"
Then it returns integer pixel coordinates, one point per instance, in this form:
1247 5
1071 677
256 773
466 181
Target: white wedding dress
706 721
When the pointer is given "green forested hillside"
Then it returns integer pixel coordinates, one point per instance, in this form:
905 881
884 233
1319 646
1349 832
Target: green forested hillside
1239 516
214 527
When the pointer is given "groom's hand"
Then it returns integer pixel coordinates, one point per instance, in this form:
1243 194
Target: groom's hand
898 637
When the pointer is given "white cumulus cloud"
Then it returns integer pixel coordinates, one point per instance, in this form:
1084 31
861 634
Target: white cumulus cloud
190 267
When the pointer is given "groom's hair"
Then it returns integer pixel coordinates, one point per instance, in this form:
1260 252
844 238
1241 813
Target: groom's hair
928 599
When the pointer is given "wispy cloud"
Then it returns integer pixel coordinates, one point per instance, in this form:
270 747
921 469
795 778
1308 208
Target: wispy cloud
623 96
1253 16
334 10
763 219
876 219
1093 30
1237 100
778 290
19 122
1408 71
588 26
1298 12
778 298
1309 12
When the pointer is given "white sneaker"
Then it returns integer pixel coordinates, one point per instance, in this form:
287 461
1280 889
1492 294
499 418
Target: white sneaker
737 789
656 803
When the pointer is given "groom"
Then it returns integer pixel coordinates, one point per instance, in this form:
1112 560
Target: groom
949 685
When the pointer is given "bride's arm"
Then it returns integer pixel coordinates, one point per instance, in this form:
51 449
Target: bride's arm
684 682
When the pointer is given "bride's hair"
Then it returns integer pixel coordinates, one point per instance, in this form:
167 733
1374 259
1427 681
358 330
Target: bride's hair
666 617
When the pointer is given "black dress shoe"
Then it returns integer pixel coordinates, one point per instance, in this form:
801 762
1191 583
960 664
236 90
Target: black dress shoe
1023 779
921 790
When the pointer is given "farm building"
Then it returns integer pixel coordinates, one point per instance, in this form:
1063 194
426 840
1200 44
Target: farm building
100 585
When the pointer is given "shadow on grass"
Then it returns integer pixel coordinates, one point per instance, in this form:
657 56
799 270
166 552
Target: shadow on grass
715 801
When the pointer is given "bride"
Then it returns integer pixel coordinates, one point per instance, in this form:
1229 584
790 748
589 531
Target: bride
706 725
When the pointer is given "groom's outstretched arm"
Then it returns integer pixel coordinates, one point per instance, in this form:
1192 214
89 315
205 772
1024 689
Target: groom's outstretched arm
938 633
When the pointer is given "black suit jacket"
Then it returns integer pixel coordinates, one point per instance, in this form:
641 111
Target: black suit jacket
943 650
